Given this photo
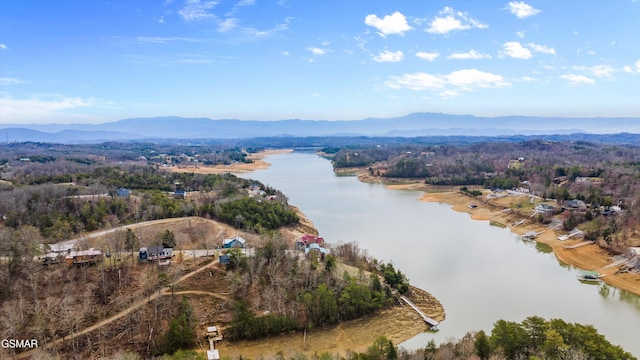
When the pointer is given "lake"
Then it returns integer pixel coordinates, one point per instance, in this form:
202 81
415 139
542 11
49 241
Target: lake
480 273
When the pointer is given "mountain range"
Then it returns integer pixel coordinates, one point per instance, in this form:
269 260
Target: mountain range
412 125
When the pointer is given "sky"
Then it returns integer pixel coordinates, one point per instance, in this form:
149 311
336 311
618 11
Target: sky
90 61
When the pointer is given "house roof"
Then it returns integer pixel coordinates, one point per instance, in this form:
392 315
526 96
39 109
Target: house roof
316 247
61 247
90 252
238 238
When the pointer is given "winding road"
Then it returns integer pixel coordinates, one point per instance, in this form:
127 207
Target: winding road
130 309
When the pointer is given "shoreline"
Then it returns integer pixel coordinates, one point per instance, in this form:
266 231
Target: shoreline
590 257
399 323
235 168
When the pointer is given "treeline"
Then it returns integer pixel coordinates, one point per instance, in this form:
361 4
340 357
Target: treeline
302 294
61 210
206 152
252 214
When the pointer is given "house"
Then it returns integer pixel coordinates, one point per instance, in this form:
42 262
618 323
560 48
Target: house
575 205
315 248
180 194
154 252
304 241
545 209
60 248
90 256
123 192
234 242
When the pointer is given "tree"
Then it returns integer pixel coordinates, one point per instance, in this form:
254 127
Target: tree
167 238
130 242
482 345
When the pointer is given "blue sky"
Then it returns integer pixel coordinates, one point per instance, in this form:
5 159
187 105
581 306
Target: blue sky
97 61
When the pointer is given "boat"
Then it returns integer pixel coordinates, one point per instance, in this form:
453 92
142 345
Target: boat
590 276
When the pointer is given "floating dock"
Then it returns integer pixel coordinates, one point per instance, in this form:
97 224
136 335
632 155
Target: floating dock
426 319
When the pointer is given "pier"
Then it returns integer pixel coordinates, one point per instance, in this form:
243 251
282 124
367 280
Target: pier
426 319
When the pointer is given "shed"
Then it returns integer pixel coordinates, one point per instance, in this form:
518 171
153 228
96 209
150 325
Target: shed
234 242
224 259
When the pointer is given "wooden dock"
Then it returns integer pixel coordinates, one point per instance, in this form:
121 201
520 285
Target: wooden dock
577 245
426 319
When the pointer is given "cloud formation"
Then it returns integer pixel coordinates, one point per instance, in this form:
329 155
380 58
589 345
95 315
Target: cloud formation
449 85
389 56
44 109
317 51
521 9
449 20
3 47
394 24
575 80
197 10
471 54
427 55
515 50
542 48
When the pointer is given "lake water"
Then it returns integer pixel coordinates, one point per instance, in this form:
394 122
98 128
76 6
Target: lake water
480 273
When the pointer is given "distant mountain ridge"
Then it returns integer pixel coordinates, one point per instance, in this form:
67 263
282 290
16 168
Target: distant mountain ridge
412 125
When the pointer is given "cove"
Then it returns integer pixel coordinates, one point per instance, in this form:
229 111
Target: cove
480 273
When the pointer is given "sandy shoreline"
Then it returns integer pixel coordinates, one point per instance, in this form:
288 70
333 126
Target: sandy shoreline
257 164
589 257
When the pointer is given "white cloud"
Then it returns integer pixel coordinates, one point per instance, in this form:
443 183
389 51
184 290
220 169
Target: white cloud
472 54
427 55
521 34
515 50
602 71
449 20
394 24
251 32
3 47
227 25
43 110
316 50
162 40
285 53
389 56
448 85
197 10
521 9
575 80
11 81
528 79
542 48
246 3
635 69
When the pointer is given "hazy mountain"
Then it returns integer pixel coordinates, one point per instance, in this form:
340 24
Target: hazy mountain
417 124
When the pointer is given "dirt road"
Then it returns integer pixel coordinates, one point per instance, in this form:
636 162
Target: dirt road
128 310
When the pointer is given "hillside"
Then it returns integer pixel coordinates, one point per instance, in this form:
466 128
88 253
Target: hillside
417 124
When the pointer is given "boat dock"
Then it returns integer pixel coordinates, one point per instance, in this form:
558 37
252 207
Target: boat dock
426 319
